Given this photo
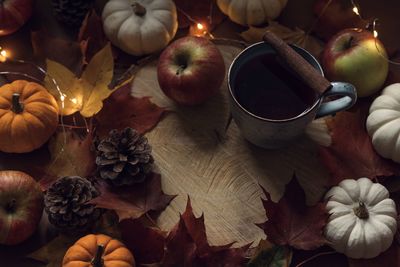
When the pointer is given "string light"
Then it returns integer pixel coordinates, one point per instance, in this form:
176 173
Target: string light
372 27
197 28
5 57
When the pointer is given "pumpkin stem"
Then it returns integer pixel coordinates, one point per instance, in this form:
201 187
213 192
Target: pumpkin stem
361 211
139 9
97 261
17 107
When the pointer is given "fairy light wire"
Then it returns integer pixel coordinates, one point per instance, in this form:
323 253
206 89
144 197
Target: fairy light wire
199 25
373 28
4 58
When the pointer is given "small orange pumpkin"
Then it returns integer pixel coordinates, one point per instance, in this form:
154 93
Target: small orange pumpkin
28 116
98 251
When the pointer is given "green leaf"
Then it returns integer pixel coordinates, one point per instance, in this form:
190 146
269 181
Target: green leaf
276 256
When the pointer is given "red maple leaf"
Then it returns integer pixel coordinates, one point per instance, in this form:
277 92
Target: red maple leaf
146 243
91 35
202 11
187 245
133 201
351 154
122 110
291 222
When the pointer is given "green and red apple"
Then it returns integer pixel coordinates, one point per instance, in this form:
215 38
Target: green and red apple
191 70
21 206
357 57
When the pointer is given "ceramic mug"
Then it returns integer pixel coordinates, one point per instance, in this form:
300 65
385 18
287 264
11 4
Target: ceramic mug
276 133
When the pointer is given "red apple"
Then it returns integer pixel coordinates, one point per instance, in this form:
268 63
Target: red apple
21 206
357 57
191 70
14 14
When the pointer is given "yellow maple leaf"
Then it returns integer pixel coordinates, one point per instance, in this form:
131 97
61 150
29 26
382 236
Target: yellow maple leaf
84 94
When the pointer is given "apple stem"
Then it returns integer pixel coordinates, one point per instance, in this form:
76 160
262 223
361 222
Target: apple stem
97 261
17 107
139 9
350 42
361 211
11 205
180 69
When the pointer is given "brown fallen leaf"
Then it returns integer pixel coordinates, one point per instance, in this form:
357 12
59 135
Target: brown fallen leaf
91 36
133 201
292 36
53 252
187 245
70 155
200 11
146 243
122 110
291 222
351 154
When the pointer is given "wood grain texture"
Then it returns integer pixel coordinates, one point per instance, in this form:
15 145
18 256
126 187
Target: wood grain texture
220 170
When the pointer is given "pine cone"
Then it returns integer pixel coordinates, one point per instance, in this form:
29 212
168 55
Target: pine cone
124 157
71 12
66 203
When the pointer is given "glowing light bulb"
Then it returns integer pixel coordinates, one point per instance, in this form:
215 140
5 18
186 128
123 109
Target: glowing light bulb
200 26
3 55
355 10
74 100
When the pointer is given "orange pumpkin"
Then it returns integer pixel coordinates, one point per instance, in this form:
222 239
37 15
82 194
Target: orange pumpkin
28 116
98 251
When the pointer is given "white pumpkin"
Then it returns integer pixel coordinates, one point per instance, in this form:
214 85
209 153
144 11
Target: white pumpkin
383 123
140 27
362 219
251 12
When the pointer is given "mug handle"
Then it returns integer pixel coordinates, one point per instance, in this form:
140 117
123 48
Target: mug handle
348 99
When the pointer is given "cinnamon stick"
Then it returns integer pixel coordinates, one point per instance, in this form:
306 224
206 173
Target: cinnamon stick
298 64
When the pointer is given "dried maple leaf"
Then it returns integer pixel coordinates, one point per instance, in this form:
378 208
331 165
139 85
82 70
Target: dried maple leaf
87 93
146 243
200 11
335 15
91 35
291 222
122 110
351 154
70 155
53 252
296 36
187 245
133 201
